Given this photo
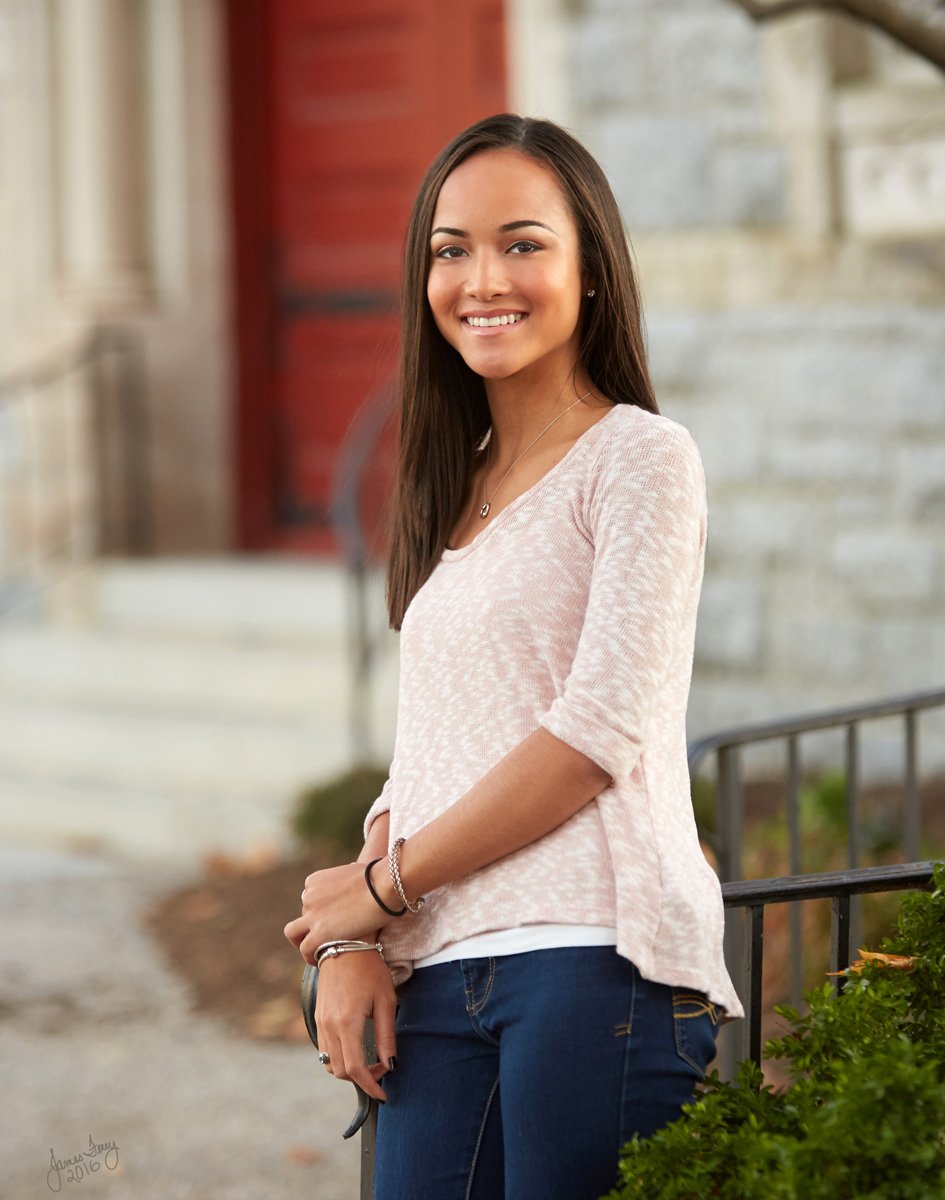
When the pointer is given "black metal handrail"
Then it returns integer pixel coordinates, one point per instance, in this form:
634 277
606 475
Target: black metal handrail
753 895
727 744
119 442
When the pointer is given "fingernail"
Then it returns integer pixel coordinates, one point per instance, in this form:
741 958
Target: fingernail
392 1062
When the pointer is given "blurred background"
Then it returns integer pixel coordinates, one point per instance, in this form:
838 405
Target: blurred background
201 210
202 207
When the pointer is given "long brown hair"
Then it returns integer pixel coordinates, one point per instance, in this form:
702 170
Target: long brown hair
444 412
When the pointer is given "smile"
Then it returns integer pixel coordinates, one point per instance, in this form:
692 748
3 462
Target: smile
489 322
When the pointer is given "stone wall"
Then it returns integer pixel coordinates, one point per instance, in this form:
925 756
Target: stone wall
802 344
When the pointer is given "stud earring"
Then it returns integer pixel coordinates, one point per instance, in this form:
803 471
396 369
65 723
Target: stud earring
590 292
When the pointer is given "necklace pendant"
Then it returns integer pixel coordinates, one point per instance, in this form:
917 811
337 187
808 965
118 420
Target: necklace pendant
484 511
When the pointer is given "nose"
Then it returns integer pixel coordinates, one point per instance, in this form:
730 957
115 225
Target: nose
486 277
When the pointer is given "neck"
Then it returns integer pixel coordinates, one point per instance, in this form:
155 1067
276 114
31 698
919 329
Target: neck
520 409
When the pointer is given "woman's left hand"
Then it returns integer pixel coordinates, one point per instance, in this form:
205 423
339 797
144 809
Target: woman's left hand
337 905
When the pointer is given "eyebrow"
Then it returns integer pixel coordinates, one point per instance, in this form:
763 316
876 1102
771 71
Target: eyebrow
512 225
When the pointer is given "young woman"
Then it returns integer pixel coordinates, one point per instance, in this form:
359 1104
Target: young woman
553 980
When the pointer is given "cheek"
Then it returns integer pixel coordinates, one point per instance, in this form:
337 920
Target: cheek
439 306
438 294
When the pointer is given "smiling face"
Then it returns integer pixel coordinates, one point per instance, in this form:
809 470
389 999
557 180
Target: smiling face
505 283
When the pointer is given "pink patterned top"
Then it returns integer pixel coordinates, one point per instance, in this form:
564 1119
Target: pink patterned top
573 609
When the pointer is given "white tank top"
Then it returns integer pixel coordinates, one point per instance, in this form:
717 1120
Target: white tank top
521 938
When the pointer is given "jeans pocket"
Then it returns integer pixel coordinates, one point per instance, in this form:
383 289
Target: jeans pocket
696 1023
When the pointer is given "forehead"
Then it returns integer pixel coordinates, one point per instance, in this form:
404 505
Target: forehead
496 187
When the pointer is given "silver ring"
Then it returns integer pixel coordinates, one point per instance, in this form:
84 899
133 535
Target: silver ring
303 897
324 1057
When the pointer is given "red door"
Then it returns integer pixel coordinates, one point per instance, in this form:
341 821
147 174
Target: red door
337 108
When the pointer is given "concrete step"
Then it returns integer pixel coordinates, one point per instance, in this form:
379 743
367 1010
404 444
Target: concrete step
172 707
185 754
78 665
238 599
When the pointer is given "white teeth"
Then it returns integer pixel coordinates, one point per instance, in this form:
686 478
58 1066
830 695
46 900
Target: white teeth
505 319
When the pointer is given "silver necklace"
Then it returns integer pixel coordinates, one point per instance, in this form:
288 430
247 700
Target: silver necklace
484 511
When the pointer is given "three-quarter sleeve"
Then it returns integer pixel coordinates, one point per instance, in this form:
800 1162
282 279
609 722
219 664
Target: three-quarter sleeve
380 805
646 515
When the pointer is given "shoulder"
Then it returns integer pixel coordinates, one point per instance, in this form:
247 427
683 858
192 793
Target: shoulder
643 450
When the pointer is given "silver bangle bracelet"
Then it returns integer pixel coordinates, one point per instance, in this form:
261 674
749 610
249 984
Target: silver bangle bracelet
395 876
342 946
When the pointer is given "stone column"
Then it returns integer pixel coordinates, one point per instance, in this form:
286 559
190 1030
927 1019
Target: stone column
801 98
100 90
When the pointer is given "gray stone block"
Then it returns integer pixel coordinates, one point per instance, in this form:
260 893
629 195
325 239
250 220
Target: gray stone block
890 384
703 55
818 650
679 344
907 655
832 458
759 533
921 482
886 566
728 629
731 442
660 169
611 64
749 185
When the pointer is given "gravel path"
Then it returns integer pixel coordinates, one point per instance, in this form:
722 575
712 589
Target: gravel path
97 1041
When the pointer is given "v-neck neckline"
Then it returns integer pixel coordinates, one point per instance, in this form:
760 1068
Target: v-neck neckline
451 555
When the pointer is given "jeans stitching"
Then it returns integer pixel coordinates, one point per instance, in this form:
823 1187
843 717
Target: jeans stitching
627 1051
478 1005
482 1130
704 1008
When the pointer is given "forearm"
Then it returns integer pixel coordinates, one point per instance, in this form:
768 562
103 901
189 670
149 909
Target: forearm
536 787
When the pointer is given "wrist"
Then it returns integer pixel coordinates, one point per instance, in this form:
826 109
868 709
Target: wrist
382 887
381 879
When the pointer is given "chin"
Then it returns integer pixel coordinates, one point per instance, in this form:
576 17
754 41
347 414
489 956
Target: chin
493 369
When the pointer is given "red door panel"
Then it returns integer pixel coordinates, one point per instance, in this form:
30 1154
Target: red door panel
359 95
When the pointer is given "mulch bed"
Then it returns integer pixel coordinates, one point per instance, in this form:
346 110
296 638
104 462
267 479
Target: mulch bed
224 935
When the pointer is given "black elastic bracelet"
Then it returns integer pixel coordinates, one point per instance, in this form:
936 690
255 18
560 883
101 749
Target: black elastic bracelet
367 877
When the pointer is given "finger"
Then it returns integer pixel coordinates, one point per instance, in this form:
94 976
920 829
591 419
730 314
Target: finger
385 1010
296 931
356 1067
336 1056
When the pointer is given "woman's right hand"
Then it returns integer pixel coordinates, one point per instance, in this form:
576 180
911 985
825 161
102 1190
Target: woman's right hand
352 988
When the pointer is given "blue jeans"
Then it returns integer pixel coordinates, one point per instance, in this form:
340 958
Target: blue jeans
523 1075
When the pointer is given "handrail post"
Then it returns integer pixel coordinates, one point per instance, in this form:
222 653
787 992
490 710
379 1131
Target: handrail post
755 931
839 936
795 865
736 945
853 821
369 1128
911 799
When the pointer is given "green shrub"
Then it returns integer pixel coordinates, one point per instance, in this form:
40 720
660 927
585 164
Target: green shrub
864 1117
332 814
703 804
824 814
